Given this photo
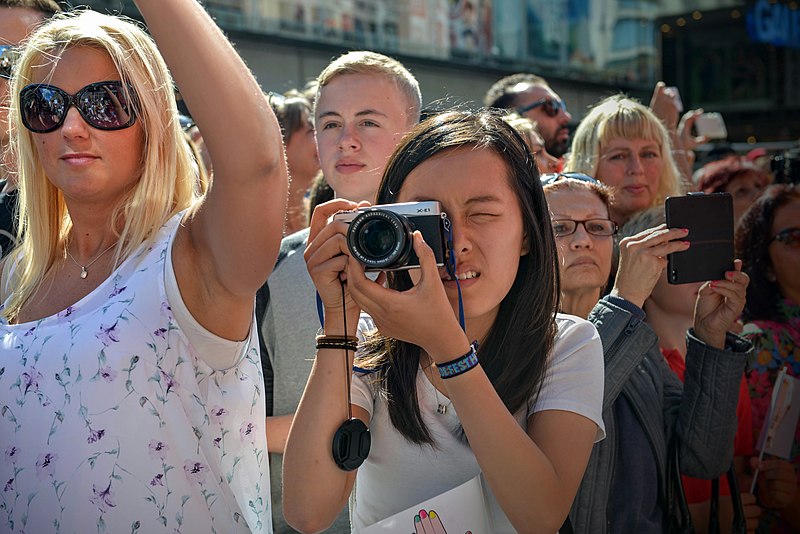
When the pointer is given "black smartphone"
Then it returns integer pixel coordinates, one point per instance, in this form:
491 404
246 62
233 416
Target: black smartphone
709 218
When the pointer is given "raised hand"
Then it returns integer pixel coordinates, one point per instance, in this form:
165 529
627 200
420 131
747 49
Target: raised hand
642 259
327 257
421 315
719 304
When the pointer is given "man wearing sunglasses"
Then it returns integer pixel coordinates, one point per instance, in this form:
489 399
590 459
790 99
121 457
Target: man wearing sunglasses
17 19
531 96
364 105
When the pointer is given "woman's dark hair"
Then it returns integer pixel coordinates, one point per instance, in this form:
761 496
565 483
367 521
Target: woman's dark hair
515 352
292 110
319 192
753 239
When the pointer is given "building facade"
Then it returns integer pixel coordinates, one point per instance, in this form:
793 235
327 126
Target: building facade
587 49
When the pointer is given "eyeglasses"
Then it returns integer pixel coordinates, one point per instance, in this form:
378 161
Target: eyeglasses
787 236
601 227
103 105
8 56
547 179
551 106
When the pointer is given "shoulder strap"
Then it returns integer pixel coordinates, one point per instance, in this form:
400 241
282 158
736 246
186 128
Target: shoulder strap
679 519
739 525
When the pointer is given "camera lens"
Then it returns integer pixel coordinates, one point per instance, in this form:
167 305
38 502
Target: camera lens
376 238
379 239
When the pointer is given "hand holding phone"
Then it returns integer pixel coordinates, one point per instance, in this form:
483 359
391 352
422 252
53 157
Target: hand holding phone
709 219
711 125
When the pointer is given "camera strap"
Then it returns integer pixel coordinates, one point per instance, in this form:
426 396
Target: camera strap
451 269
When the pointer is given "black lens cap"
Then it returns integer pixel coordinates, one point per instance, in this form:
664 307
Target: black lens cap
351 444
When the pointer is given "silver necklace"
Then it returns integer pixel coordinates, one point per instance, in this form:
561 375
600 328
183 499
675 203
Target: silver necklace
85 268
442 406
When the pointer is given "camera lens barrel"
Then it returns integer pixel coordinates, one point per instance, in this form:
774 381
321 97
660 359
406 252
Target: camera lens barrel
380 239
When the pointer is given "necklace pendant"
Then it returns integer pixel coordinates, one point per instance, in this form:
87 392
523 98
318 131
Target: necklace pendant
84 272
442 409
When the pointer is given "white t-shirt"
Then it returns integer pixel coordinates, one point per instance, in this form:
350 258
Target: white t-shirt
399 474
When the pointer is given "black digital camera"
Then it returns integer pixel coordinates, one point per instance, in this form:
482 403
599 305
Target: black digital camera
380 237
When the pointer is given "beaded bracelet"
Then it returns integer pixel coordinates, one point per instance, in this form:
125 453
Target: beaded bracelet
337 342
460 365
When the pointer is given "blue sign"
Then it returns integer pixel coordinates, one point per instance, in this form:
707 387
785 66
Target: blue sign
774 24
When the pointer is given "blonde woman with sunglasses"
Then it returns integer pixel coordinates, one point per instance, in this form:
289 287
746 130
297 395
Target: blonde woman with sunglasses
132 397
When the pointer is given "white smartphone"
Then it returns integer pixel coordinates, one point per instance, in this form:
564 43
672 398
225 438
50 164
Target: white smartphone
711 125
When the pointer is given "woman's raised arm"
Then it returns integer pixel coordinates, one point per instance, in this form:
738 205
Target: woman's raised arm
229 244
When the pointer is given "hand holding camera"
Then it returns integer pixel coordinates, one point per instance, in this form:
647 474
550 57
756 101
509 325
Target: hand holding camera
380 237
326 257
396 238
422 315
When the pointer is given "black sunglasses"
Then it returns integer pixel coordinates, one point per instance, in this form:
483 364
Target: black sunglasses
551 106
8 56
547 179
787 236
103 105
600 227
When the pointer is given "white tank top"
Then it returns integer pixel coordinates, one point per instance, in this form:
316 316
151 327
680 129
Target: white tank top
110 421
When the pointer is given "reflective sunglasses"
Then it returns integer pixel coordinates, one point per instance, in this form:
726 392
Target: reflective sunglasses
103 105
601 227
547 179
8 56
787 236
550 106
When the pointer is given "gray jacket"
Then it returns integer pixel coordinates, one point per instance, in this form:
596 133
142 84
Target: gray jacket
702 410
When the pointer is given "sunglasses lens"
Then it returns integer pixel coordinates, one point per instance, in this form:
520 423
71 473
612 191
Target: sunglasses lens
552 107
43 108
105 106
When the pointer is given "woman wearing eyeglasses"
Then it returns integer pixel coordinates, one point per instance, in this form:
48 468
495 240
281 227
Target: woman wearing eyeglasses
625 146
131 392
768 241
645 404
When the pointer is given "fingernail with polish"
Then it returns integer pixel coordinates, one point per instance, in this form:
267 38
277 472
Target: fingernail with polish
423 514
432 515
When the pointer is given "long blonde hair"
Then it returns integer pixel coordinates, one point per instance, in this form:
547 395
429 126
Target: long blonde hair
620 117
167 182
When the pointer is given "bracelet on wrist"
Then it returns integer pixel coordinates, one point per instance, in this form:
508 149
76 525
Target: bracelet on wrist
460 365
337 342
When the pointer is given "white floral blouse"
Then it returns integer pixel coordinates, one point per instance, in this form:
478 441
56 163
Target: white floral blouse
110 422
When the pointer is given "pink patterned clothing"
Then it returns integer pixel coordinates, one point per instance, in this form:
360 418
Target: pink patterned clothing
110 421
775 343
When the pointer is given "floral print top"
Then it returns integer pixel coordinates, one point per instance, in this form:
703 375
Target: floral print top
110 422
775 343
